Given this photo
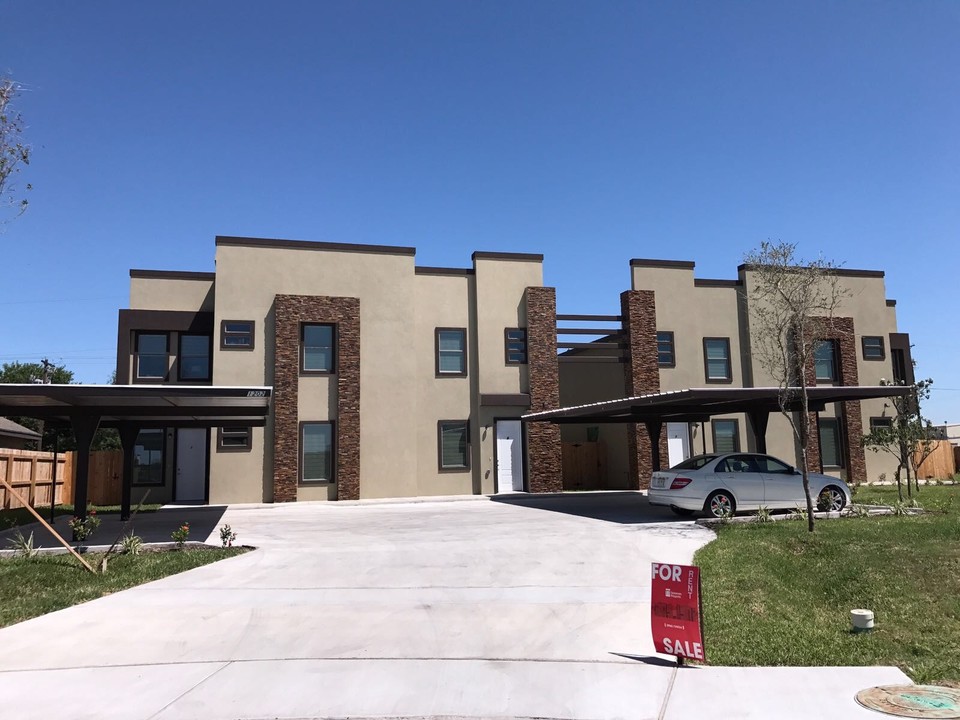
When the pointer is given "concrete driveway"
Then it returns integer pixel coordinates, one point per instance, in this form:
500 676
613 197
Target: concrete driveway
516 607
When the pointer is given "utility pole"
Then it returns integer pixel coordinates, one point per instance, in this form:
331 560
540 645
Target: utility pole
47 367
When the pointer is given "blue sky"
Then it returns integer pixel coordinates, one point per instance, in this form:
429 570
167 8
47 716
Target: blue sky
590 132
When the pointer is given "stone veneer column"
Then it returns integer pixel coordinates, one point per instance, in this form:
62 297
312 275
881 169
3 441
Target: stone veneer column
290 312
638 310
842 331
545 469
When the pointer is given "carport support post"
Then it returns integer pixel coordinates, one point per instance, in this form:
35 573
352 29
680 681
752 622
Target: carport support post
758 419
84 428
653 430
128 440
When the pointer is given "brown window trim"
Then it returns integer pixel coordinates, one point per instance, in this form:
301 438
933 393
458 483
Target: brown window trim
336 355
153 380
224 335
863 348
736 433
706 365
673 349
506 346
221 448
209 377
436 352
458 469
333 451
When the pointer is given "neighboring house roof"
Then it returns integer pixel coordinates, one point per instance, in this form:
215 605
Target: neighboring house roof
9 428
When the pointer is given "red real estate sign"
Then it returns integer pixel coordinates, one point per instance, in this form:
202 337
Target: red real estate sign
675 611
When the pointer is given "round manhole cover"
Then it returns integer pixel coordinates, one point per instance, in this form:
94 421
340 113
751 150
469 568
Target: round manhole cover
913 701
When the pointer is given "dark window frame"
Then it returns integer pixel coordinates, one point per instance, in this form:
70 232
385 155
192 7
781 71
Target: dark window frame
706 363
180 377
436 352
898 365
506 346
453 468
333 348
736 433
333 454
234 448
224 334
838 429
163 459
148 379
885 422
883 348
673 349
835 366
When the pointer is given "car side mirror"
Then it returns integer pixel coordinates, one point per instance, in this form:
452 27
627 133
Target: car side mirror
794 471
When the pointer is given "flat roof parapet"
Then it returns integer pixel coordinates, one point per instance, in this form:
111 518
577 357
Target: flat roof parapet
223 240
522 257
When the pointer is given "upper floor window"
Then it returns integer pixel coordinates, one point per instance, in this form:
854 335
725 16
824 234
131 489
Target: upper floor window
716 359
317 353
451 351
666 354
825 360
152 356
236 335
873 347
193 360
515 346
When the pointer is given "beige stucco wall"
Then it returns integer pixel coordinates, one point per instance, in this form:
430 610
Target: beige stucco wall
171 294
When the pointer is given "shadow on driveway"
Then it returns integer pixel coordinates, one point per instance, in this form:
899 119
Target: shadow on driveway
625 507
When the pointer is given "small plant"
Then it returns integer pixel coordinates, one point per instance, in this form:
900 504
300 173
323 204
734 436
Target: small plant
799 513
901 508
84 528
131 544
763 515
180 535
859 511
23 546
227 536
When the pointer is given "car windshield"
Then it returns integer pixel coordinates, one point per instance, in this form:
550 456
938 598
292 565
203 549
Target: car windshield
695 463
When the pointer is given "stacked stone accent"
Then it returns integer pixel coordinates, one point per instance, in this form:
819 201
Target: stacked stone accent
545 470
290 312
842 331
638 310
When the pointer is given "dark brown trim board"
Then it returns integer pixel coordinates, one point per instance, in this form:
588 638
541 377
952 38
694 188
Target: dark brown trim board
171 275
522 257
454 468
222 240
334 465
673 264
839 272
492 400
717 283
436 353
453 272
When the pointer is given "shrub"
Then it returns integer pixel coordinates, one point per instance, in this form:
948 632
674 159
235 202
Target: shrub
82 529
763 515
859 511
23 546
227 536
798 513
180 535
131 544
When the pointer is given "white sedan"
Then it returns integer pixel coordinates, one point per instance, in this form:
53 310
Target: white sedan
721 485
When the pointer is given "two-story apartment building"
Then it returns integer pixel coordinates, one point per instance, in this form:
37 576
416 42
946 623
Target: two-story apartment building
397 380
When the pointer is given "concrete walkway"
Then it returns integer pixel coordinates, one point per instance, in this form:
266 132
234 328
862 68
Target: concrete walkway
517 607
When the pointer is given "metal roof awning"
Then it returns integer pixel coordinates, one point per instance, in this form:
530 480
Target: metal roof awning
160 405
698 404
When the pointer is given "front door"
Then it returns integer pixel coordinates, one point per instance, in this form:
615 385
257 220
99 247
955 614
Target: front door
191 465
509 456
678 443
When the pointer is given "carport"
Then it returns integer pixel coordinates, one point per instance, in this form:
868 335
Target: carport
700 404
129 409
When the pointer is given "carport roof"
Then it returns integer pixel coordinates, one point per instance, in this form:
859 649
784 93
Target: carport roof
696 404
167 405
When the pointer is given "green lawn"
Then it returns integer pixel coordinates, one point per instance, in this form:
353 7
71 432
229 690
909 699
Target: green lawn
775 595
21 516
35 586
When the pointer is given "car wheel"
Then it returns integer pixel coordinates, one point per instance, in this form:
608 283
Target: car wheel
682 512
720 504
833 498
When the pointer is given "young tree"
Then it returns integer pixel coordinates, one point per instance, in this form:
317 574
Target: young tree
791 303
14 152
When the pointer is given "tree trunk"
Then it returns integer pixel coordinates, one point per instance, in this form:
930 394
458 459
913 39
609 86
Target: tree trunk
804 441
899 483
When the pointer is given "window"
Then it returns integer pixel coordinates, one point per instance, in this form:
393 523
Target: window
830 448
316 452
877 423
515 346
873 348
716 359
726 436
236 335
152 356
737 464
454 445
899 366
233 439
193 359
767 464
825 361
665 349
316 349
148 458
451 351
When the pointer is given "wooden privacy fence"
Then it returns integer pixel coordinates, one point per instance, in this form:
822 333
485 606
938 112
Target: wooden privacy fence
106 475
31 474
940 464
584 466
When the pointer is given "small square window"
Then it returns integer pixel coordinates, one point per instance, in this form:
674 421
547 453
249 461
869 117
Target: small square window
716 358
317 352
454 444
193 360
316 452
152 360
825 360
234 439
515 346
873 348
236 335
451 352
666 355
878 423
831 449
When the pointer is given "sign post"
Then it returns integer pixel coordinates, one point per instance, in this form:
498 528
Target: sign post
675 611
